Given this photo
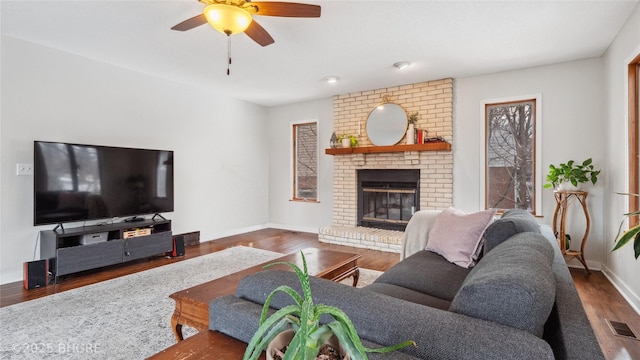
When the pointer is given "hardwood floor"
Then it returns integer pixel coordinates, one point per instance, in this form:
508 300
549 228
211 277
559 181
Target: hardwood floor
600 299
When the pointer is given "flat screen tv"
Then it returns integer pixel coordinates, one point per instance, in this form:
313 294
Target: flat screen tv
75 182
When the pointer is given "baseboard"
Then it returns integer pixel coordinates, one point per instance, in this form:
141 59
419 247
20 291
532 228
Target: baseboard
11 277
234 232
593 265
312 230
632 298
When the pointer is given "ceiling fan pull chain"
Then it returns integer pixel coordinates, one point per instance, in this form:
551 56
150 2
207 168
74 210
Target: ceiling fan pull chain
228 55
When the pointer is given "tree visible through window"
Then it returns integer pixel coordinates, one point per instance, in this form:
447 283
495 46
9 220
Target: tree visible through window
305 162
510 155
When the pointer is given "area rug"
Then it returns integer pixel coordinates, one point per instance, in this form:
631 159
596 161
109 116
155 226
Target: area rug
123 318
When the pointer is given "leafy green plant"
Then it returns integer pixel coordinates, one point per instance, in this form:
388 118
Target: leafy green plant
352 138
571 172
631 233
304 318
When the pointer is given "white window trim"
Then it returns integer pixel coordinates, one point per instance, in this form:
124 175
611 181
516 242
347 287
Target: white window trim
538 146
292 156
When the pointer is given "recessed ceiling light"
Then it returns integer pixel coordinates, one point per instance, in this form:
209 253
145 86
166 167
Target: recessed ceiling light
331 79
402 65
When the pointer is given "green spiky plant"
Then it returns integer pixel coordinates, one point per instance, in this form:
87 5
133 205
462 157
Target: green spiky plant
631 233
304 318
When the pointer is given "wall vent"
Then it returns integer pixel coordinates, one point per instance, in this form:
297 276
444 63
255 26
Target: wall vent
621 329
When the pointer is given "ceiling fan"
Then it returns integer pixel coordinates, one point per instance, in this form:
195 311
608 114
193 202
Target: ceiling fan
236 16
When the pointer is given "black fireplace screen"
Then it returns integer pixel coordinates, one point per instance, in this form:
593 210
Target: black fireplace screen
387 198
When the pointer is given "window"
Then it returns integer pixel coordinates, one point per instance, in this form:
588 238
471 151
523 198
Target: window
305 161
510 167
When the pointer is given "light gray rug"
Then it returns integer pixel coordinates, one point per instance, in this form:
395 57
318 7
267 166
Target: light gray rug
123 318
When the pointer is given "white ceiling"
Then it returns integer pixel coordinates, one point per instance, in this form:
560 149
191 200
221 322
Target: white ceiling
358 41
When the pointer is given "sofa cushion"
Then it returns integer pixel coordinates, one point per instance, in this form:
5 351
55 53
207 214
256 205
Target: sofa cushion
428 273
457 236
512 222
413 296
512 285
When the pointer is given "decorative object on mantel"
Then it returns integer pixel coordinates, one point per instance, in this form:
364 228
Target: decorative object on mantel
347 140
413 118
386 123
632 233
568 176
334 141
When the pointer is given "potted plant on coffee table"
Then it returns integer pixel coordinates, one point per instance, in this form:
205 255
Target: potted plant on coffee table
567 176
303 318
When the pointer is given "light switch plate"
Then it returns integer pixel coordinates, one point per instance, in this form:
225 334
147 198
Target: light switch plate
24 169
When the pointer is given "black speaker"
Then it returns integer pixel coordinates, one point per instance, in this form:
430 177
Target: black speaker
35 274
178 246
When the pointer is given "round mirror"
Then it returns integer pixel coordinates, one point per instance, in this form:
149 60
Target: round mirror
386 124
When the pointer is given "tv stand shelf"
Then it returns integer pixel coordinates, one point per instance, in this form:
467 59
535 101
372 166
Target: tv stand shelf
66 253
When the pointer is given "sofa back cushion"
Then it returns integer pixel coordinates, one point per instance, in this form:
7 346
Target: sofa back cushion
512 285
428 273
512 222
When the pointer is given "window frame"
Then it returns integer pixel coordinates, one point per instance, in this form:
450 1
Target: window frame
633 134
293 148
537 167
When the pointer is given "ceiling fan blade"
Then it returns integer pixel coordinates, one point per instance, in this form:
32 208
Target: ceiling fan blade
191 23
286 9
256 32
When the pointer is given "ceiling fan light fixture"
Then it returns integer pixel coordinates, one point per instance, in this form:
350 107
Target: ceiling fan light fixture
227 19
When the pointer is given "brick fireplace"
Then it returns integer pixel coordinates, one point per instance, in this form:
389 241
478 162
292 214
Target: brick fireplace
433 100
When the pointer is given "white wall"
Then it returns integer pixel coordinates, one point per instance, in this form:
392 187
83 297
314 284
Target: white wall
619 266
572 127
220 149
296 215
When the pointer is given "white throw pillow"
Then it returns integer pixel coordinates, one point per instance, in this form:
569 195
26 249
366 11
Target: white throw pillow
457 236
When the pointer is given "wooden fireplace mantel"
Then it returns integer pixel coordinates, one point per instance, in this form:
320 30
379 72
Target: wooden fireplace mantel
430 146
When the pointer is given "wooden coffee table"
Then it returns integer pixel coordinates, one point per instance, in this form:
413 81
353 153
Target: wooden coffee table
192 304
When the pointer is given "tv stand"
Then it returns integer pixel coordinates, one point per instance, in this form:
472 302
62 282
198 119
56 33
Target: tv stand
66 253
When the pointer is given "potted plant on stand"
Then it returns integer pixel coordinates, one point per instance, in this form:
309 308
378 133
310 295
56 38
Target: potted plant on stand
301 324
568 176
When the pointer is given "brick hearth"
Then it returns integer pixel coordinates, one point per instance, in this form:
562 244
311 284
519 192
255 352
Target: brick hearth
434 102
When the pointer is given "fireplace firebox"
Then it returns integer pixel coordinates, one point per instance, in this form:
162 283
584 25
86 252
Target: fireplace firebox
387 198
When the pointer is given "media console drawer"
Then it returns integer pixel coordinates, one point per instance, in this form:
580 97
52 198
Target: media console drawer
144 246
84 257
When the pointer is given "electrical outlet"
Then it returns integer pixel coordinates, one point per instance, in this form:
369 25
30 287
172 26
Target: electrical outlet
24 169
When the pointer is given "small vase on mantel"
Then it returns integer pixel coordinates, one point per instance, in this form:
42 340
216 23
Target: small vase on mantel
410 134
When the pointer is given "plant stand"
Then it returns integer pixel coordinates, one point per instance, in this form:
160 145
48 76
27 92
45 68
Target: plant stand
562 205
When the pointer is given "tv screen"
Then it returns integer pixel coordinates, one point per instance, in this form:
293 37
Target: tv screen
75 182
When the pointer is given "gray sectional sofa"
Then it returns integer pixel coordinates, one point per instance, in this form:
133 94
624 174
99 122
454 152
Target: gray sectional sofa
518 302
